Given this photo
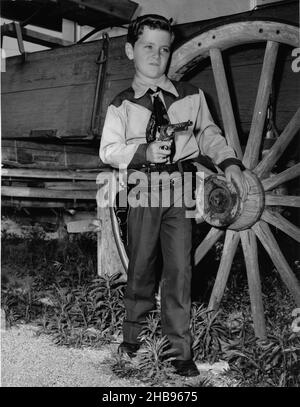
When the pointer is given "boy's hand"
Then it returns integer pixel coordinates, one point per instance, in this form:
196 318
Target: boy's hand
234 173
158 151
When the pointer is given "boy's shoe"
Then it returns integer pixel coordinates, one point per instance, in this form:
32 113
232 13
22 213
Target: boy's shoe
186 368
129 349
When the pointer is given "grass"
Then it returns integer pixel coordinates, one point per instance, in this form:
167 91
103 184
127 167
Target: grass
55 285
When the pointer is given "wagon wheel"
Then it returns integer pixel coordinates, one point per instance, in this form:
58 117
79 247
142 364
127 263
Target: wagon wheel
250 219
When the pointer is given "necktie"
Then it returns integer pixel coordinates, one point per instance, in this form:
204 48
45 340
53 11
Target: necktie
159 116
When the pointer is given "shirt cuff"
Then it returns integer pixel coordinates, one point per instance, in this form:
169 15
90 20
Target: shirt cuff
231 161
139 157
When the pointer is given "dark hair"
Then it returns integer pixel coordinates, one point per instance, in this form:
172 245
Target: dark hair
152 21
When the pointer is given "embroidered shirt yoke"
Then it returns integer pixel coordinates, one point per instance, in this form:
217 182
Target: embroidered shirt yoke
124 133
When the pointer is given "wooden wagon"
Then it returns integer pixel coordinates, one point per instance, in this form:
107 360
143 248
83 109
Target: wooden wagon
53 107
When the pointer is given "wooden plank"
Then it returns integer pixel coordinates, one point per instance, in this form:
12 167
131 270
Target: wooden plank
61 86
230 245
67 66
71 186
48 156
77 215
260 109
67 109
45 174
85 13
83 226
267 239
114 8
46 203
251 259
49 147
19 203
27 192
51 70
277 179
225 101
34 36
277 220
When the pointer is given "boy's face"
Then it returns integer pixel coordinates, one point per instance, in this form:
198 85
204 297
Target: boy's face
150 53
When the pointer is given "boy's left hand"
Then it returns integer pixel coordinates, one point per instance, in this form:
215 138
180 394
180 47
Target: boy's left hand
234 173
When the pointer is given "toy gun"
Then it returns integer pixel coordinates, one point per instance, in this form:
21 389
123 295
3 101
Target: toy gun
167 131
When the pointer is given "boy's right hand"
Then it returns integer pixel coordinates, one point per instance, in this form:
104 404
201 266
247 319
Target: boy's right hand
158 151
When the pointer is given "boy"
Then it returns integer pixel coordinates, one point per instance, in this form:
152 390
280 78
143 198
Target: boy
129 139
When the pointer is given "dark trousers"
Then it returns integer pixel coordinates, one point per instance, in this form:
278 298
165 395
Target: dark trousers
147 226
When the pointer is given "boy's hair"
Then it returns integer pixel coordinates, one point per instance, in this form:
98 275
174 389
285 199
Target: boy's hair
153 21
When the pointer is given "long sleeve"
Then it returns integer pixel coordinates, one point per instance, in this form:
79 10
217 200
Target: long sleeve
210 139
209 136
114 150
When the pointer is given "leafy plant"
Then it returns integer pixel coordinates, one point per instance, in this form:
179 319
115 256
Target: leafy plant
272 362
208 333
154 358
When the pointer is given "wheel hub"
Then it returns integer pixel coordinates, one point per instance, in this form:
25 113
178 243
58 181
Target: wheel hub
219 200
223 206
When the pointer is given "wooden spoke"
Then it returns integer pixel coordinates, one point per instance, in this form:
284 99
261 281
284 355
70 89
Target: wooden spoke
119 244
284 176
225 101
251 259
258 120
267 239
265 166
231 241
281 223
282 200
207 243
108 258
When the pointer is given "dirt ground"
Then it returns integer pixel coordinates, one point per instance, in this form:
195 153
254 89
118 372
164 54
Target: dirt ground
31 360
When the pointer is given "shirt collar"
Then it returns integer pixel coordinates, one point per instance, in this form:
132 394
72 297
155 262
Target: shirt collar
140 87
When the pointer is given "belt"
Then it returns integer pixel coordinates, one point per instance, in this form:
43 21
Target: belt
181 166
